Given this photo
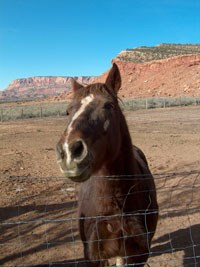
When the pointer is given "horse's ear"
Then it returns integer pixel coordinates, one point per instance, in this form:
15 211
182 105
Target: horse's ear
75 85
113 80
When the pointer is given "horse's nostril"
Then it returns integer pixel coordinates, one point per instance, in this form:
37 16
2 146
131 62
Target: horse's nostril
77 149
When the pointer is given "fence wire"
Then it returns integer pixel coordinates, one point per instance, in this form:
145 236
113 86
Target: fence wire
39 221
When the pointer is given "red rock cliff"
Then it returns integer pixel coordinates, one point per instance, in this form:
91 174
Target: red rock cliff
177 76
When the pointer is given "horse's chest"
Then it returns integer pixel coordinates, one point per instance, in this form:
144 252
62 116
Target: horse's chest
110 201
101 198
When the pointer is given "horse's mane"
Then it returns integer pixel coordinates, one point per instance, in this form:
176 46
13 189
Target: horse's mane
95 89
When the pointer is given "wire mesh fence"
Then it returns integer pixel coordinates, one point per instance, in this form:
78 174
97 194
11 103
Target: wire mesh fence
39 221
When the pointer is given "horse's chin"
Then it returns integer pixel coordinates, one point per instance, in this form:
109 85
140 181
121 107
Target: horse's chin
77 171
78 175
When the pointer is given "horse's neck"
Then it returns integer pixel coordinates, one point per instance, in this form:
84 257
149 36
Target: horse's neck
108 186
112 183
125 159
124 163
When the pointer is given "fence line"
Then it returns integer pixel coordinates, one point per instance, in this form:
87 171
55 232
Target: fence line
33 111
38 221
160 102
59 109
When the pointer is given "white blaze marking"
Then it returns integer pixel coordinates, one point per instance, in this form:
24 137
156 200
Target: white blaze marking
119 262
84 103
106 124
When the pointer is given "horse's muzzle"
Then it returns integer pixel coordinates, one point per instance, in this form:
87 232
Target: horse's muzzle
74 160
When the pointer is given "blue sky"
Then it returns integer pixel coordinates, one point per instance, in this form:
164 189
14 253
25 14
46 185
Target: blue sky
80 37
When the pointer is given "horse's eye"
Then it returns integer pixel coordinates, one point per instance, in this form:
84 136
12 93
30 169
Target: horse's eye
108 105
67 112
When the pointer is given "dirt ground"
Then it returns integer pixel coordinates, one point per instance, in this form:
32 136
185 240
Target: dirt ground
38 221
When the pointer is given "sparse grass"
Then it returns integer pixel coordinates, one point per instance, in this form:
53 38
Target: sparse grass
32 111
159 102
59 109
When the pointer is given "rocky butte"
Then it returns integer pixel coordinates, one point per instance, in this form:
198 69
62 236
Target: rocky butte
40 87
164 70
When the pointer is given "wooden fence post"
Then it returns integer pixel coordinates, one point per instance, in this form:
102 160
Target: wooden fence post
22 114
146 103
1 114
41 114
164 104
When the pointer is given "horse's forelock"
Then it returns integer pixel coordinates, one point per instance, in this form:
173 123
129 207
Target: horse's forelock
95 89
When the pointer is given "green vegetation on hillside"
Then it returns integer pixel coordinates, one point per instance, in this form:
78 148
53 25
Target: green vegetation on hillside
145 54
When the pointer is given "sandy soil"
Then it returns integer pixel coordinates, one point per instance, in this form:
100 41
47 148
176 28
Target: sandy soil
38 222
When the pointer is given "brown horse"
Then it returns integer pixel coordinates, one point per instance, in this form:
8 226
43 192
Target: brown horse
117 203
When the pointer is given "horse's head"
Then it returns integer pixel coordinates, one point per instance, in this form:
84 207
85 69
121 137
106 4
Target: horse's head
92 137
